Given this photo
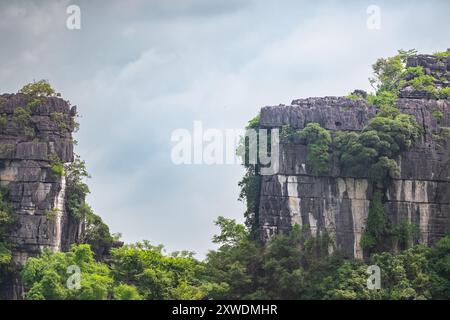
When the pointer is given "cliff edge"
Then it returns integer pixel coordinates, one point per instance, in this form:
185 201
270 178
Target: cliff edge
337 202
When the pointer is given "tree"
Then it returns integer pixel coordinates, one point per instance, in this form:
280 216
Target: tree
237 262
389 71
126 292
38 88
318 141
157 276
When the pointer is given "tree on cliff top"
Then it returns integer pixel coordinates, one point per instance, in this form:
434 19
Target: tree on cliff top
6 222
388 71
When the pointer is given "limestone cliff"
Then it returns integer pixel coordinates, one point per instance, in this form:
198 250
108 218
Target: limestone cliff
339 203
33 135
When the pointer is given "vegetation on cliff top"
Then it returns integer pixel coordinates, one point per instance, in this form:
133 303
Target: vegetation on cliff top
251 182
6 222
41 88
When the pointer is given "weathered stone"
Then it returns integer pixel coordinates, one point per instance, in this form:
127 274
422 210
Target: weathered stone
32 189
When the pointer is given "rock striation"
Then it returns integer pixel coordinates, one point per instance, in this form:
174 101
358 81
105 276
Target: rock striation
29 145
339 203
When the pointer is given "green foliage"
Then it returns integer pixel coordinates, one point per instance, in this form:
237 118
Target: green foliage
250 190
376 224
315 134
3 102
29 132
387 72
280 270
126 292
247 143
6 223
251 182
231 233
6 149
390 75
439 260
21 117
254 123
3 122
296 266
405 276
422 82
405 54
442 54
368 241
382 139
352 96
96 232
383 169
290 266
288 133
77 189
380 234
404 233
408 275
413 72
56 166
444 133
348 282
38 88
438 114
318 158
234 267
46 277
318 141
444 93
34 102
58 118
399 130
51 214
293 265
157 276
383 98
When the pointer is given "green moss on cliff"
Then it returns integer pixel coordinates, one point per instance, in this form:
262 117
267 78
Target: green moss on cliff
38 88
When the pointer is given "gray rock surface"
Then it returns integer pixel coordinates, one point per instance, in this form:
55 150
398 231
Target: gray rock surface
34 191
339 203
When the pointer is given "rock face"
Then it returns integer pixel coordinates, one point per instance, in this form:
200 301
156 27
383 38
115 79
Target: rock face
339 203
28 149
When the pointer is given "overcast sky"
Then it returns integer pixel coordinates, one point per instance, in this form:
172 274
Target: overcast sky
137 70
